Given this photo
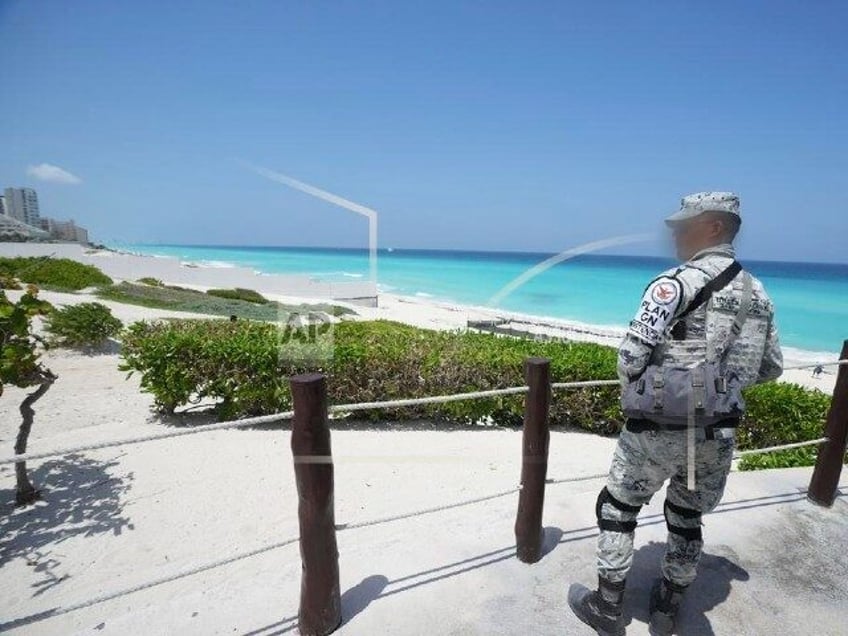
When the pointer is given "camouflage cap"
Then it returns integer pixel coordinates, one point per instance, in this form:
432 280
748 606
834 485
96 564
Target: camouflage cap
696 204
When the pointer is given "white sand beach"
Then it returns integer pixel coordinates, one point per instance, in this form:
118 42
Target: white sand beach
129 266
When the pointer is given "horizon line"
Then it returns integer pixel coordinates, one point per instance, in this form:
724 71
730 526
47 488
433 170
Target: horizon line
460 250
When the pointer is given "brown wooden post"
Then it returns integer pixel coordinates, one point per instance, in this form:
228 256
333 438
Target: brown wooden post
825 480
534 463
320 599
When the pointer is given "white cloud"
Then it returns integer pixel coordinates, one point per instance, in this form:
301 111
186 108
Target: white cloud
52 174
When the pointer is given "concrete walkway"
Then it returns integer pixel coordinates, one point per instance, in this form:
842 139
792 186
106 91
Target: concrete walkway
773 564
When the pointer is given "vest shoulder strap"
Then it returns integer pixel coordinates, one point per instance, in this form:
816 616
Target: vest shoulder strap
706 292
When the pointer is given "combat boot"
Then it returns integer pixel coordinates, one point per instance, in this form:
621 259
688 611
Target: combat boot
665 603
600 609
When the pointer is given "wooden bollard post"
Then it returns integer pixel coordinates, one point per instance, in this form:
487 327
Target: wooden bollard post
320 598
825 480
534 463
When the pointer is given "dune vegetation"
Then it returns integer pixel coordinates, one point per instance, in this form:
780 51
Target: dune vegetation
241 304
244 368
81 325
60 274
238 293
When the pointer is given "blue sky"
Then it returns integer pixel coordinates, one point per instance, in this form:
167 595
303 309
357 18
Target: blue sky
475 125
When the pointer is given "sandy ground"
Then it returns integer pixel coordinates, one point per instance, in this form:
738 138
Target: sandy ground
124 517
128 266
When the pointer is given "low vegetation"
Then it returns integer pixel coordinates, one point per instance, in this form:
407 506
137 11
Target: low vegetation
238 293
782 413
9 282
20 366
60 274
244 366
86 325
189 300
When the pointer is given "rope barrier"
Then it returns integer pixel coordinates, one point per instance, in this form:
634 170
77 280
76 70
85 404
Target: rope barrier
771 449
568 480
584 383
395 459
736 455
813 365
435 399
327 459
207 428
456 397
449 459
337 408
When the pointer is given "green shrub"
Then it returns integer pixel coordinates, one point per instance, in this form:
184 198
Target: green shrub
190 300
782 413
20 366
55 273
9 282
238 293
149 280
20 348
240 365
82 325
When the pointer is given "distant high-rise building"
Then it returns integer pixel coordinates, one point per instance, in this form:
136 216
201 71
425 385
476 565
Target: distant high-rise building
22 204
64 230
2 204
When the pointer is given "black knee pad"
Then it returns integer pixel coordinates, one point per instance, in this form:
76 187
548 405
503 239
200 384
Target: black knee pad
690 534
611 524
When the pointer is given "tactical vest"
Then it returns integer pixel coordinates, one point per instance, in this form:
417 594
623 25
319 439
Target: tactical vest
687 381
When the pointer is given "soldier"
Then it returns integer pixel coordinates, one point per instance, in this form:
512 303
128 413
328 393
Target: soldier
704 331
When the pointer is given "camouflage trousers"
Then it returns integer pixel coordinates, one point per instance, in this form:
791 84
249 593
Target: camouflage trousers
642 463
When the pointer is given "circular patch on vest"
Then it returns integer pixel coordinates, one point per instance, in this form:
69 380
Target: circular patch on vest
664 293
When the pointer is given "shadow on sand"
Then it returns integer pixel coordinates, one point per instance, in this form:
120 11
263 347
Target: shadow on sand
716 575
108 347
360 596
101 501
354 601
80 497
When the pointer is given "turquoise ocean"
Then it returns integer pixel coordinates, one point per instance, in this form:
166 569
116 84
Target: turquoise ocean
811 298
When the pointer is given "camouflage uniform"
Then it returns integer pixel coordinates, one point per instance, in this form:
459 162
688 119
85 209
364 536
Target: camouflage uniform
641 464
644 459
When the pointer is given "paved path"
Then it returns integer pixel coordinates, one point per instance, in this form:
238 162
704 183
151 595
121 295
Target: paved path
774 563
